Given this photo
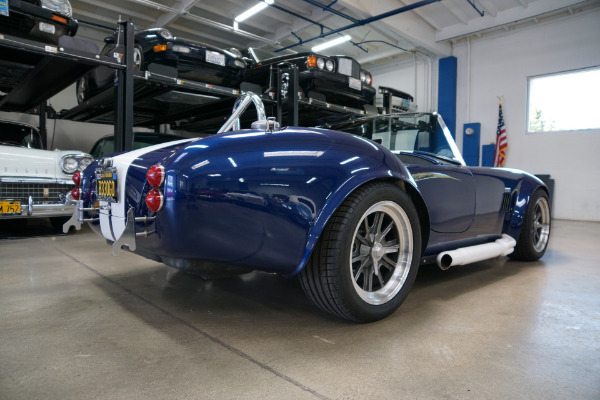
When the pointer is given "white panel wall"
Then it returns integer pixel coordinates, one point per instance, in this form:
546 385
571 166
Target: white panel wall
413 76
499 65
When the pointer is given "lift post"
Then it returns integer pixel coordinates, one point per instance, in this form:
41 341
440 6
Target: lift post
124 112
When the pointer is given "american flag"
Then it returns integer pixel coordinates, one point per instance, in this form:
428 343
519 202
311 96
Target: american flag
501 140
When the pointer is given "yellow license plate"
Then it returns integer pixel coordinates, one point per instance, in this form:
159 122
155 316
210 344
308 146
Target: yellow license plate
10 207
106 184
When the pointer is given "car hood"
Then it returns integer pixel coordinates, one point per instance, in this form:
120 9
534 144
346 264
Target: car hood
33 163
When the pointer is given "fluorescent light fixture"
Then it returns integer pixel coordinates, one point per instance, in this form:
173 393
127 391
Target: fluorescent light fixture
256 9
331 43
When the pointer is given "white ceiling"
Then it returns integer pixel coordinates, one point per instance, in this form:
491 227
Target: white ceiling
430 28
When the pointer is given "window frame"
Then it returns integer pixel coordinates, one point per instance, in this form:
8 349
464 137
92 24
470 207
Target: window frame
528 104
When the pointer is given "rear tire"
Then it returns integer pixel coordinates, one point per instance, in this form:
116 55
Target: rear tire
535 231
138 57
82 89
367 257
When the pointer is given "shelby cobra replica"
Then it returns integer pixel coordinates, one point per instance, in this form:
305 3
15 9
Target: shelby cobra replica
352 213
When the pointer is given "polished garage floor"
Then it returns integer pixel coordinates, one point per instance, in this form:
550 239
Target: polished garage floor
78 323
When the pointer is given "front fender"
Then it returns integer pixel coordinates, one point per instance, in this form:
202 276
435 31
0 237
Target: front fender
526 187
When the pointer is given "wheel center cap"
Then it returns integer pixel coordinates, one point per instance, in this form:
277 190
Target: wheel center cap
377 251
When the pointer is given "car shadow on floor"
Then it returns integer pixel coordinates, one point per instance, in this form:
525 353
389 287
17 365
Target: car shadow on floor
259 297
23 228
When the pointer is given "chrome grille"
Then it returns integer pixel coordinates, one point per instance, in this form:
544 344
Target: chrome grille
49 193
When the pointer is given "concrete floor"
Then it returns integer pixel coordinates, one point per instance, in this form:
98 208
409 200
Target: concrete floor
78 323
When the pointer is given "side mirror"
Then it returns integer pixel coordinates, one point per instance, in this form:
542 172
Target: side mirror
109 39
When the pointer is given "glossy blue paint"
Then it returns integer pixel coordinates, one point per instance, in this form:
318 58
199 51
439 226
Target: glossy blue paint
261 200
246 198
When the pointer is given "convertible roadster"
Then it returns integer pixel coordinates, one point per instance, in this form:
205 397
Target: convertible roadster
352 211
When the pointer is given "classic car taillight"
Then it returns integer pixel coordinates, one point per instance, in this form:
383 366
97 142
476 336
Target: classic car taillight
76 193
154 200
77 178
156 175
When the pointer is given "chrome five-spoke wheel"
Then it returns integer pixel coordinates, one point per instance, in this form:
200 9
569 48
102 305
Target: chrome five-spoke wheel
381 252
367 257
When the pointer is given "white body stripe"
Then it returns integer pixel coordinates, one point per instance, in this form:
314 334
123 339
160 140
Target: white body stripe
117 210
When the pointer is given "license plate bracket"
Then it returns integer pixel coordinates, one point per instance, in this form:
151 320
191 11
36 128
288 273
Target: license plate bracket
215 57
354 83
106 184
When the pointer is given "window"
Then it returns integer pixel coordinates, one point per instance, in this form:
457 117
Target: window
565 101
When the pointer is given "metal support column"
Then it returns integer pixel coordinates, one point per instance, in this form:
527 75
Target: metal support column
293 89
42 127
124 111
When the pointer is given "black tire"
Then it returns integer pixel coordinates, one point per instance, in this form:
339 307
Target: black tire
138 57
535 231
359 241
82 89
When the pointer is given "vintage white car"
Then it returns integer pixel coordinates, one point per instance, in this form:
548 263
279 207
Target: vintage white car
36 183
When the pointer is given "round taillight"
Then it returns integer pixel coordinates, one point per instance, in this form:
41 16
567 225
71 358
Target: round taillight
77 178
154 200
156 175
76 193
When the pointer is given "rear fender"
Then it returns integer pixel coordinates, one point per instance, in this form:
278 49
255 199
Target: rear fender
399 176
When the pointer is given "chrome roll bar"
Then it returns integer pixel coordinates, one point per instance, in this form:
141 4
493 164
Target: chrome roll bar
241 104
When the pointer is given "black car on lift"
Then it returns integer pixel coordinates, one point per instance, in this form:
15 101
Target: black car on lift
43 20
335 79
188 59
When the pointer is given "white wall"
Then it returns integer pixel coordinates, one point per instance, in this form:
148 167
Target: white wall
411 75
499 64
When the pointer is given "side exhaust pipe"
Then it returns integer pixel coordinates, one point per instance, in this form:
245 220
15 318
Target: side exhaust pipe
466 255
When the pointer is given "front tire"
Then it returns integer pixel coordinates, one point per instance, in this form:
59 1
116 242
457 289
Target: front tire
367 257
138 57
535 232
82 89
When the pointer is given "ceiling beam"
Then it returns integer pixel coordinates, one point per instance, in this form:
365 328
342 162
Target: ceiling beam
411 30
502 18
120 10
182 6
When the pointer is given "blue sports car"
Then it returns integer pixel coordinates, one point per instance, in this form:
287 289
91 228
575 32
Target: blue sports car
353 211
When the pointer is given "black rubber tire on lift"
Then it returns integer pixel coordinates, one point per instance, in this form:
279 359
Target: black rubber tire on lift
367 257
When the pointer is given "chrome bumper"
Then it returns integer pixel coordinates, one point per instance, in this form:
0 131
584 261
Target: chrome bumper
127 238
32 210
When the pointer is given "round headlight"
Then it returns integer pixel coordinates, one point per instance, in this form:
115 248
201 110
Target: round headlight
329 64
236 52
69 164
62 7
165 34
74 162
84 162
363 76
368 78
320 63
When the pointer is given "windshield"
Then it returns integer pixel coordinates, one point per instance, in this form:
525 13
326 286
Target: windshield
16 134
418 133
